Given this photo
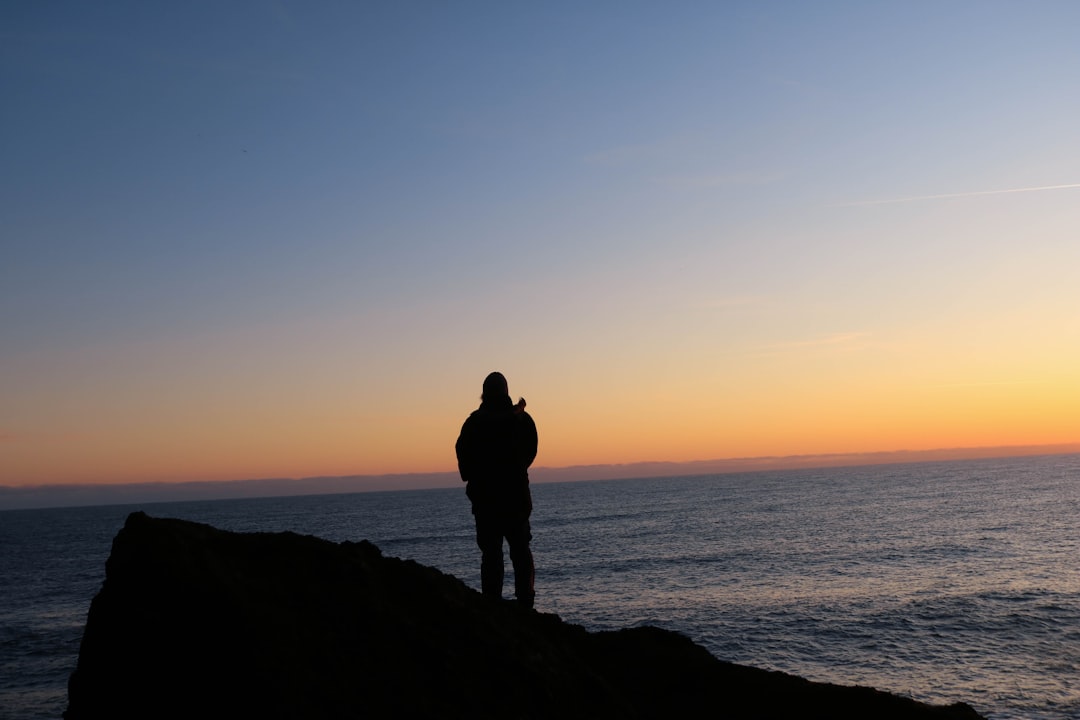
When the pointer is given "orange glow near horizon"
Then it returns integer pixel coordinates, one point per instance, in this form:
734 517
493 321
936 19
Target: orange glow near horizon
628 429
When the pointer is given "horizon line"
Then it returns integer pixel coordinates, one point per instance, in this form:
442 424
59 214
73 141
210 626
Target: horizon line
42 496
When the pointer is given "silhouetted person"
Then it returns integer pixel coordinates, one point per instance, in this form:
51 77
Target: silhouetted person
496 446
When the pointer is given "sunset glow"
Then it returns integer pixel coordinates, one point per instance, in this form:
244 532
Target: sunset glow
291 241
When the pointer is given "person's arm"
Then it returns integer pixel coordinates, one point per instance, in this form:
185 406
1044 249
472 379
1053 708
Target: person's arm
463 452
529 439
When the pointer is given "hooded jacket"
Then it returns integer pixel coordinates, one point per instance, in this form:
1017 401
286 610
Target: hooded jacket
496 446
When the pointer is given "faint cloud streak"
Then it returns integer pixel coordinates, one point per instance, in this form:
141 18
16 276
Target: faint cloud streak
950 196
988 383
731 303
837 342
624 155
695 182
682 162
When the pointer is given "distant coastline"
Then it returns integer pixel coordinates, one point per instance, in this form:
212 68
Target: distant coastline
58 496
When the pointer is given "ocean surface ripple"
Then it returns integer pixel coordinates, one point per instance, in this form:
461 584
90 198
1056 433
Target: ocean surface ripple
952 581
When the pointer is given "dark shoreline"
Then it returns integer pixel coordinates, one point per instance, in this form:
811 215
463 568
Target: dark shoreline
195 621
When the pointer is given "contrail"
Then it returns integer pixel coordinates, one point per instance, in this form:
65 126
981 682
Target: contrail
947 196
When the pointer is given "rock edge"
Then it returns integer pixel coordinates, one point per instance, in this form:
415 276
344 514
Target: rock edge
193 621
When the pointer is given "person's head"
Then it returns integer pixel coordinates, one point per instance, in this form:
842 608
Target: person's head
495 387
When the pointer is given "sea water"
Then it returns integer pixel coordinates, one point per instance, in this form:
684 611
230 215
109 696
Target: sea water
953 581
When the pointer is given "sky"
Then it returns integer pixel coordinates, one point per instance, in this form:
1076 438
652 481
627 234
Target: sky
284 239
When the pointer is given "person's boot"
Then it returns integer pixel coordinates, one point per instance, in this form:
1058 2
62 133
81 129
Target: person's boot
524 584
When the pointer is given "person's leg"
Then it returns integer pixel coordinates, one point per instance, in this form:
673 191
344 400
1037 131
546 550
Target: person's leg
518 538
489 538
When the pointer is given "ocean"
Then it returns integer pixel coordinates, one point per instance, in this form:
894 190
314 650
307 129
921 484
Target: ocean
946 581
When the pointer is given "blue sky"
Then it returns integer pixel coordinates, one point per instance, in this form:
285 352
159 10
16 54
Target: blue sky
344 214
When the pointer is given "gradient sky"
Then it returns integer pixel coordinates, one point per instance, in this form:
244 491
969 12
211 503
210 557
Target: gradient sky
275 239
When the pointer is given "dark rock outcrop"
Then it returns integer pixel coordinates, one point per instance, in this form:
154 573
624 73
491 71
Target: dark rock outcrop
194 622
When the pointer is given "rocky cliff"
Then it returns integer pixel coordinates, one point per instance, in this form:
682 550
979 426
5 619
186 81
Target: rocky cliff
194 622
